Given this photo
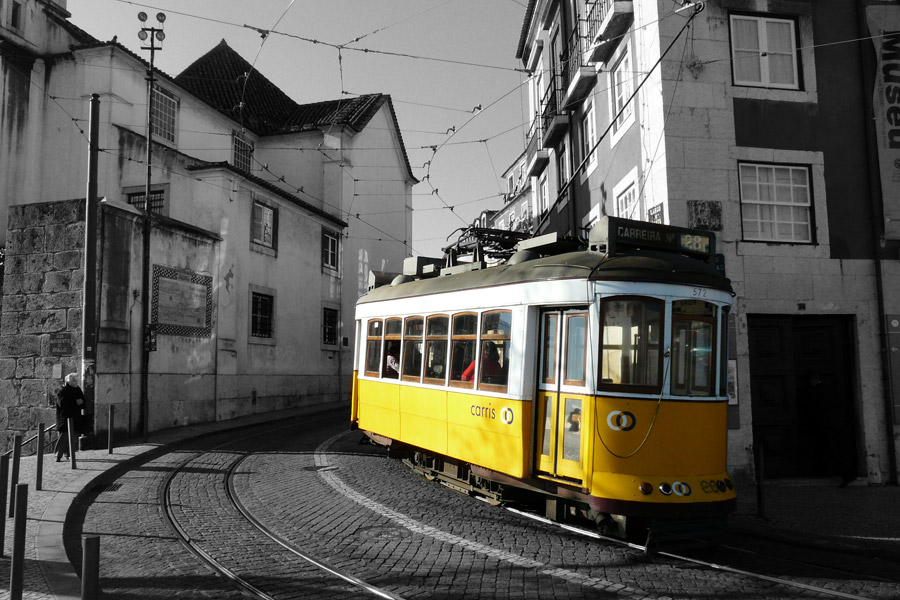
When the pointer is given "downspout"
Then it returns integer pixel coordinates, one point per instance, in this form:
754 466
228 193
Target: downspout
868 67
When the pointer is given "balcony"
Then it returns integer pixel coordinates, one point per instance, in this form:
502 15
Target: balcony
581 75
554 118
607 21
536 158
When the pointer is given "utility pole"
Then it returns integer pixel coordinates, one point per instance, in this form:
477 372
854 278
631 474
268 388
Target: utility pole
89 289
151 35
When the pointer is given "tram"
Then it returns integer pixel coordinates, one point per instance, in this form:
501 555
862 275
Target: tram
592 378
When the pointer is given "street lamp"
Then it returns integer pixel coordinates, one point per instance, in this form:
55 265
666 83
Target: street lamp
148 35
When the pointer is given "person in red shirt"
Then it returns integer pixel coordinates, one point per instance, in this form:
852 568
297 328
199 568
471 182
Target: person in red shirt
490 363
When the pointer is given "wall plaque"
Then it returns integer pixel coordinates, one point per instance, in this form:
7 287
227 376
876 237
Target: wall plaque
61 344
182 302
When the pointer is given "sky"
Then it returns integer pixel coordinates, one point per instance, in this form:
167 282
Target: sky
457 55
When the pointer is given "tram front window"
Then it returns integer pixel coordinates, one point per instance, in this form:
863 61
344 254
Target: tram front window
693 348
632 344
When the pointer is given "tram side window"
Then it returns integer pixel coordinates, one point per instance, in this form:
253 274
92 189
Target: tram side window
391 366
693 348
412 348
373 347
493 366
632 340
463 340
436 331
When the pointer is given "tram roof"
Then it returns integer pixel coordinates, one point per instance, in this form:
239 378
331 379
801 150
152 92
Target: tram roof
637 266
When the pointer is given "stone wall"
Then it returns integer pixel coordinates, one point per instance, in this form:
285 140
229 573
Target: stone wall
41 296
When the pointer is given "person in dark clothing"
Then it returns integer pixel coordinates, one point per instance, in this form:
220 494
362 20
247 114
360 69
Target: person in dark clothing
69 405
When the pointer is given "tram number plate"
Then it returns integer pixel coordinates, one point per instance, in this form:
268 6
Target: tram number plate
699 293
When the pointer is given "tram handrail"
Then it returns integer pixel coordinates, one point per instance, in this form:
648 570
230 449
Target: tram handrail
31 439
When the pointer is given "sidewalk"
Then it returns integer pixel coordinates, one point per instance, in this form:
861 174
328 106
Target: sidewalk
48 573
859 518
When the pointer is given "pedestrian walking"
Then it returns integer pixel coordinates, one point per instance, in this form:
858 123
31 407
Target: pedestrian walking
69 405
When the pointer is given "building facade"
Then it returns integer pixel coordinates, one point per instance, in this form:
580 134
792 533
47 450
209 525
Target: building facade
259 246
770 123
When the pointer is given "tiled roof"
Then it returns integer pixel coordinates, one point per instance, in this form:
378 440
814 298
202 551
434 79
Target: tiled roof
228 83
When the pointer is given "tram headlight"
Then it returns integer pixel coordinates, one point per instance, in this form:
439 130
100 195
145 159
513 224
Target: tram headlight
646 488
665 488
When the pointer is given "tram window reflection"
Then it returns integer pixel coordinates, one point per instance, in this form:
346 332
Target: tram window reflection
373 347
693 343
632 343
436 349
493 369
412 348
463 342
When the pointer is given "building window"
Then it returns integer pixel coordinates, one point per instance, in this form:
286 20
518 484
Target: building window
15 15
622 84
625 202
330 249
162 119
329 326
775 203
544 193
264 223
562 166
764 52
157 200
262 315
241 152
589 136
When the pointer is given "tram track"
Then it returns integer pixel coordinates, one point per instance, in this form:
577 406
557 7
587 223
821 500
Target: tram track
288 568
717 566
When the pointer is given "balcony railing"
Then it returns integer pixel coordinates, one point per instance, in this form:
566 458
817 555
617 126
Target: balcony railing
554 118
536 157
607 20
580 75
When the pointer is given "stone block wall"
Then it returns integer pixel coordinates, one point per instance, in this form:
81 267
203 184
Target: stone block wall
41 296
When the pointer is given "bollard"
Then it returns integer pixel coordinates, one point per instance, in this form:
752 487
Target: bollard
4 476
17 568
14 473
760 497
112 422
90 567
39 467
70 424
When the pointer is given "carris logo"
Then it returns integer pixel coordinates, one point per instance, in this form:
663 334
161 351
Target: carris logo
507 416
621 420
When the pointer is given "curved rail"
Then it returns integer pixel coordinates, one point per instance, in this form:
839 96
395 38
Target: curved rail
240 582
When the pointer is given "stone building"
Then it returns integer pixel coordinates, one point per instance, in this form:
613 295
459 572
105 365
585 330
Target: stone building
768 122
255 258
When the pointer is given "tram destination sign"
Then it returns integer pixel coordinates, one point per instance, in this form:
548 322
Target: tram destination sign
615 232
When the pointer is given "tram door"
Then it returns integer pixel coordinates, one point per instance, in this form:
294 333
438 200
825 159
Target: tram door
561 393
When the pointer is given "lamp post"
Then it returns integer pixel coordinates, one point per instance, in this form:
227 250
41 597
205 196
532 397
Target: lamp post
148 35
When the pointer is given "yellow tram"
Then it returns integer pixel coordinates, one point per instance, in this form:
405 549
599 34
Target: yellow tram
595 377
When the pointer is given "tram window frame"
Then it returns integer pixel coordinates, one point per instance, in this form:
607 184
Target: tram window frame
408 370
639 388
710 390
501 341
373 344
393 330
546 356
469 343
724 349
568 330
436 338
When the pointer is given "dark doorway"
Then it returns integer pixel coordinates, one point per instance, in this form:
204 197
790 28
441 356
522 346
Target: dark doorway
801 381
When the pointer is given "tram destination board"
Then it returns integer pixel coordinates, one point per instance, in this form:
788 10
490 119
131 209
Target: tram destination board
616 232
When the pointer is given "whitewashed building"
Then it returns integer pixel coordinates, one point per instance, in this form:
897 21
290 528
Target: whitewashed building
261 240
